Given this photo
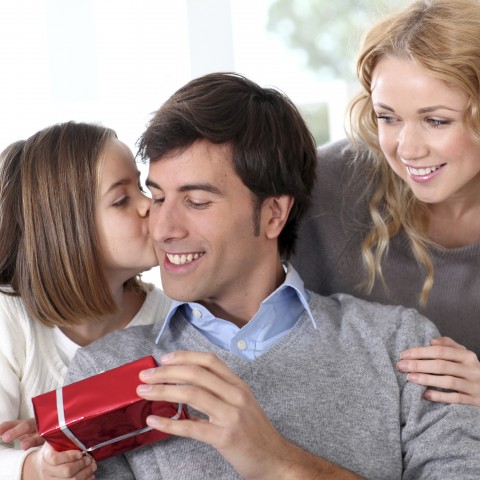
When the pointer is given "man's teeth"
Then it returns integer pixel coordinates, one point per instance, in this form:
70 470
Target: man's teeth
183 259
422 171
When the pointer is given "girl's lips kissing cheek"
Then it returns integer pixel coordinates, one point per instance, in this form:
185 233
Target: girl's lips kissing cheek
181 259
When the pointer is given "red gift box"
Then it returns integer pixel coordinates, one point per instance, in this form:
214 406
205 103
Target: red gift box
102 415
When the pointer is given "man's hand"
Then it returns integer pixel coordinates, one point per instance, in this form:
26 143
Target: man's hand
23 430
236 425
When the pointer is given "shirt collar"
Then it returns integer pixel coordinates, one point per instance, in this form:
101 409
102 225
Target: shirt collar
292 280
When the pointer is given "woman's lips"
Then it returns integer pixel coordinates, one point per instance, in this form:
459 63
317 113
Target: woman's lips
424 174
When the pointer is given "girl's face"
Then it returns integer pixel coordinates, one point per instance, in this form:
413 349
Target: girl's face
421 132
121 215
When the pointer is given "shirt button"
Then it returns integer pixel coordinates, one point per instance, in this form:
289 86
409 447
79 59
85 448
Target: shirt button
196 313
241 344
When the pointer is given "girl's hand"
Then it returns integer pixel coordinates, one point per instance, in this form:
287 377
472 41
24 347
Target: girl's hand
447 365
48 464
23 430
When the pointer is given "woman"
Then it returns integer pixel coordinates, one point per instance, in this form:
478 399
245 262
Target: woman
397 213
73 239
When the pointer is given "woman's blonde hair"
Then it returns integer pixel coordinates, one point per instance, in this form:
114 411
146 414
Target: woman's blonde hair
49 249
441 36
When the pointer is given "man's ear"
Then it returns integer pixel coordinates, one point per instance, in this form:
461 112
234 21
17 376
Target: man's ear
276 211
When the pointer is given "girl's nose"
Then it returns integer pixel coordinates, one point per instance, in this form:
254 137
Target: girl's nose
144 206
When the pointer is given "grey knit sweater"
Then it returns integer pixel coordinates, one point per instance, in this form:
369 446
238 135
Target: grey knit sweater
328 254
333 391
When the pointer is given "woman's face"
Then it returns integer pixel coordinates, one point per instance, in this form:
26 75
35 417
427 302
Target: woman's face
421 132
121 215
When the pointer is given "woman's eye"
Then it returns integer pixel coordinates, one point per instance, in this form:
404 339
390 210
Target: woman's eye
435 122
387 119
157 201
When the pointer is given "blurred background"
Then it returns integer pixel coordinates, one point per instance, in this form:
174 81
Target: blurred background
115 61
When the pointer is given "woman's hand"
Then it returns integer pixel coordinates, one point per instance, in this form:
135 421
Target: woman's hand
25 431
46 464
447 365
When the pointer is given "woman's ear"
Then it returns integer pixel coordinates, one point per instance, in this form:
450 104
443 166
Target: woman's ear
276 211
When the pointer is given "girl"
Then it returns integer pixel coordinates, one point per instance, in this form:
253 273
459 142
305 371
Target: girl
73 239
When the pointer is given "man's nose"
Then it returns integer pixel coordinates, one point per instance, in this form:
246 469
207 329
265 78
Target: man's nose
166 223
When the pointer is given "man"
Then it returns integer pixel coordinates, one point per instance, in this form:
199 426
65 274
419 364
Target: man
280 382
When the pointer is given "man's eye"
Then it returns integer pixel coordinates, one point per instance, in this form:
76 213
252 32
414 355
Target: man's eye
198 205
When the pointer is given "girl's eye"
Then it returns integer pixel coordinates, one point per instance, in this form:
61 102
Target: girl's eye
157 201
122 202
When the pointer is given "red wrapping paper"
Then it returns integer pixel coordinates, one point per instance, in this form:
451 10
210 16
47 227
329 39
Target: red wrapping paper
99 410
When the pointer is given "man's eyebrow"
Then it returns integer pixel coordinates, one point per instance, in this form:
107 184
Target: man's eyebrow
150 183
206 187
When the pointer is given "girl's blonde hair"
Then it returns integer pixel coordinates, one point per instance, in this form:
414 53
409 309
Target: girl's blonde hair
441 36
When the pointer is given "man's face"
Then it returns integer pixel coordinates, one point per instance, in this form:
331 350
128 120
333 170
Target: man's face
202 226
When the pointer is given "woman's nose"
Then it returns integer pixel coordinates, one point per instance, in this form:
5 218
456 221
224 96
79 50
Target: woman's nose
411 144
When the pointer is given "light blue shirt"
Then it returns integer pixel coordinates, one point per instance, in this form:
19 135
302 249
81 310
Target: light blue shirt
277 314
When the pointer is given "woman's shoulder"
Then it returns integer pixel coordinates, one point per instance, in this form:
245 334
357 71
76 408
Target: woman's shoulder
342 187
336 151
340 163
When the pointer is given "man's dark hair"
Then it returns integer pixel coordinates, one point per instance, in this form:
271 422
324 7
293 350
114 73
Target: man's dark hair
273 152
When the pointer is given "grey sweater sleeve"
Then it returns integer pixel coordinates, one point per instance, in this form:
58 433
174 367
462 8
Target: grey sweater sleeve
438 440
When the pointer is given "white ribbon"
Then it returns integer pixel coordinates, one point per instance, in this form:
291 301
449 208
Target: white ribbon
68 433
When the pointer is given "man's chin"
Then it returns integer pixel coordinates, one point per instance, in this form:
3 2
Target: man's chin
176 292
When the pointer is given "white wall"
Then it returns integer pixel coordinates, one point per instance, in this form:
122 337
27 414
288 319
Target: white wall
115 61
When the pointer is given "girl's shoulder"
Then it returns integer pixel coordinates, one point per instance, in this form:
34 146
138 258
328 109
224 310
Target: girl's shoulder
155 306
12 308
